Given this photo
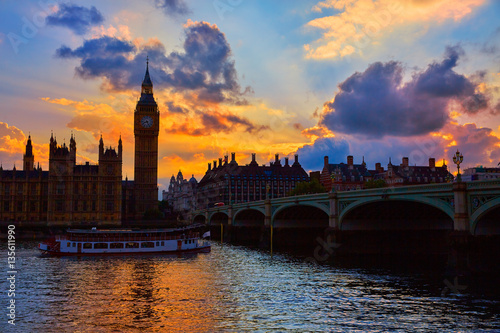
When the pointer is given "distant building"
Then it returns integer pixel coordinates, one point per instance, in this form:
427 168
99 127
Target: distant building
181 194
345 177
480 173
68 192
405 174
230 183
350 176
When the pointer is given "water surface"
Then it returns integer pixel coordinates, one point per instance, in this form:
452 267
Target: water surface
232 289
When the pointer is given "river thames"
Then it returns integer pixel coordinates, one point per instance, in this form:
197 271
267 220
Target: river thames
235 289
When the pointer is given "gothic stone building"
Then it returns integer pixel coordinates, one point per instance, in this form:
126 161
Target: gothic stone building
67 192
350 176
229 183
345 177
181 194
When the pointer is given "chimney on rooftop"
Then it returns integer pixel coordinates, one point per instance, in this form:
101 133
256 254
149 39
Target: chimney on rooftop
406 161
350 160
432 162
325 159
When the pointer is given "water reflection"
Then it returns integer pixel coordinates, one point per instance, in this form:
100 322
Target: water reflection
234 289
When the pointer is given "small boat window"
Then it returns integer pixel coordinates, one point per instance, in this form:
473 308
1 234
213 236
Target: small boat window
87 245
185 242
162 243
116 246
100 245
69 244
157 243
147 244
132 245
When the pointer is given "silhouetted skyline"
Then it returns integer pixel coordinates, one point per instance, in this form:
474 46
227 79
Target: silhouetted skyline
377 79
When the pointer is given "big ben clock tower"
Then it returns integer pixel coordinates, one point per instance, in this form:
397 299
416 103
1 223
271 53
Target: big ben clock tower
146 130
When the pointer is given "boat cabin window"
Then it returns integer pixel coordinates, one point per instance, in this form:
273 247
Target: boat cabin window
100 245
87 245
132 245
73 245
157 243
69 244
116 246
147 244
162 243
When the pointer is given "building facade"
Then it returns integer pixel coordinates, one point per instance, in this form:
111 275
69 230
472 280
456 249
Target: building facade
67 192
345 177
406 174
480 173
350 176
229 183
146 130
181 193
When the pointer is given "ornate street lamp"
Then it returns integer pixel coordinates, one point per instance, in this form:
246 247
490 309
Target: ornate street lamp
457 159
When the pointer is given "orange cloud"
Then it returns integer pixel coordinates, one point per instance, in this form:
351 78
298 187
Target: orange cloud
361 21
317 132
13 145
121 31
100 118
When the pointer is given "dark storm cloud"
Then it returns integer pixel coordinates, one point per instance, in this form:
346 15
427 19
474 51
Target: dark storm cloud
311 156
376 103
78 19
204 66
175 108
172 7
104 47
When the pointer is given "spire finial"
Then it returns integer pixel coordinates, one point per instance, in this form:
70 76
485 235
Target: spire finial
147 60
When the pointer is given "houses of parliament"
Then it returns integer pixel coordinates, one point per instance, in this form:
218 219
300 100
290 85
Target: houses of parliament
80 194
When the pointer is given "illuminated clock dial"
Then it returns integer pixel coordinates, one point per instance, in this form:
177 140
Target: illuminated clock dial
147 121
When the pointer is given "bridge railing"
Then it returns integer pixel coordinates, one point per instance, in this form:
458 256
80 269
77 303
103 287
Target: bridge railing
481 184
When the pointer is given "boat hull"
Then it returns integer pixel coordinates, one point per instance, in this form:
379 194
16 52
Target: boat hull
205 249
125 242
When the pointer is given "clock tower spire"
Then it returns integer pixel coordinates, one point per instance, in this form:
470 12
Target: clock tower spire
146 130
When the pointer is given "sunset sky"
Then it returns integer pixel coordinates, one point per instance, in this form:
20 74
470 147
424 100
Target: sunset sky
375 78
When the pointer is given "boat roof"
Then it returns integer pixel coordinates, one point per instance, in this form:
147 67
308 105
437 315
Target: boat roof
102 231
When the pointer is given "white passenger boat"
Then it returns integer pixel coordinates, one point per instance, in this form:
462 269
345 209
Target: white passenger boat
126 241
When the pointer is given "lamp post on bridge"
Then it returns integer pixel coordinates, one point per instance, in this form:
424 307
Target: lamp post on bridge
457 159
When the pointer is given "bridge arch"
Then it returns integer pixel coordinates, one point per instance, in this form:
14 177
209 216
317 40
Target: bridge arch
436 203
249 217
200 218
301 215
417 213
486 219
218 218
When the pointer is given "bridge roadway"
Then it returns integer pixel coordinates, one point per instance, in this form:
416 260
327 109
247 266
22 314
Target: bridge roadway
468 207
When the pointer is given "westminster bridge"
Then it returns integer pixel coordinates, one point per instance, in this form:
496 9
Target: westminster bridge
412 216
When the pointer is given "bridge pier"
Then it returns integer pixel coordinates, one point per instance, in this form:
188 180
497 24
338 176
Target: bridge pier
461 219
230 215
268 213
333 218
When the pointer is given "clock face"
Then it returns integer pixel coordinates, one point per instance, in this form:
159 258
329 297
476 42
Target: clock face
147 121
